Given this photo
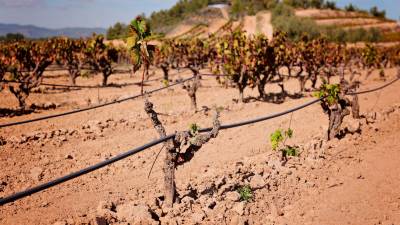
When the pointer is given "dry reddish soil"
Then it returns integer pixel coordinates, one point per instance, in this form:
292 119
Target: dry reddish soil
354 180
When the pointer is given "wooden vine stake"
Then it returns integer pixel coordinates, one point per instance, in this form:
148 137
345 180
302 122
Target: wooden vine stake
179 150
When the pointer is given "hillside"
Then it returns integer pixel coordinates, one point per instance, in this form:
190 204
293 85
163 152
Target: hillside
31 31
328 22
350 20
211 20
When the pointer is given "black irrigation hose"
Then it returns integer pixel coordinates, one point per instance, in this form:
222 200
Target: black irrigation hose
71 176
82 86
79 173
56 69
52 85
90 108
86 86
115 159
374 89
213 75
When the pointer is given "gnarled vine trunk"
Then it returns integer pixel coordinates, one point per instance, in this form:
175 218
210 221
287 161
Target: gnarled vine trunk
169 157
174 155
74 72
106 71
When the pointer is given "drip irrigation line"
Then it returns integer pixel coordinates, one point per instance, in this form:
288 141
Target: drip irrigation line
79 173
90 108
83 86
55 70
213 75
87 86
42 187
374 89
122 156
52 85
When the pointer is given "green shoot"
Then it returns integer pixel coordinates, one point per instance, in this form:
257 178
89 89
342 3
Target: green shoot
330 92
165 83
276 138
278 142
194 129
246 194
290 151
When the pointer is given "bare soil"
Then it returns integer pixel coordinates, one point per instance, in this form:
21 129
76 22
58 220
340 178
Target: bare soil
350 181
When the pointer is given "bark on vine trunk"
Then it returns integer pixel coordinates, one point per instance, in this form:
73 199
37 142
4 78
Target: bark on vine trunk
355 107
169 157
105 79
142 83
261 87
21 94
73 74
165 70
192 90
336 117
30 80
261 90
302 81
241 95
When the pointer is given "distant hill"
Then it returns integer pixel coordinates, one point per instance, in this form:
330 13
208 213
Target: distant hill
31 31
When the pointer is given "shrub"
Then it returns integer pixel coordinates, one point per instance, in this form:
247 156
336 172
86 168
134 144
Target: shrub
374 11
246 194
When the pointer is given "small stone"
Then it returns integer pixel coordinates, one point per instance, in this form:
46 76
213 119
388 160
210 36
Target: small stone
198 217
135 214
257 182
49 105
187 200
100 221
275 164
210 203
374 127
72 132
353 126
63 131
63 138
69 157
2 141
233 196
259 169
23 140
36 174
237 220
60 223
239 208
221 181
14 139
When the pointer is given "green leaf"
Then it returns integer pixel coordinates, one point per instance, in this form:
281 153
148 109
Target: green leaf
246 194
289 133
276 138
291 151
131 42
194 129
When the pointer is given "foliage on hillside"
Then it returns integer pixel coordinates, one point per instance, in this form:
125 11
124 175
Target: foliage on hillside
284 19
11 37
162 20
117 31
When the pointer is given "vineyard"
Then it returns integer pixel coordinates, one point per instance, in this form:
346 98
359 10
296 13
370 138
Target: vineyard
286 121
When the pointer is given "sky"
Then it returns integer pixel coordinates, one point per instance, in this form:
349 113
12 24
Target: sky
103 13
